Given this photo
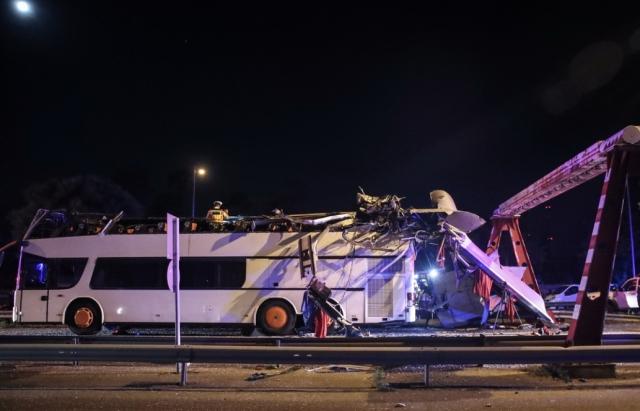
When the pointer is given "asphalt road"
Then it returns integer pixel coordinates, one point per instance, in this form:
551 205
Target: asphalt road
229 387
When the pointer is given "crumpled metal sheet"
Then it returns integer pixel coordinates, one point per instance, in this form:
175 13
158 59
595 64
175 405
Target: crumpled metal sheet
457 304
503 276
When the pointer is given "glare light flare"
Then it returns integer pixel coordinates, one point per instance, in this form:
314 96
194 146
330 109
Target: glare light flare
201 172
433 273
23 7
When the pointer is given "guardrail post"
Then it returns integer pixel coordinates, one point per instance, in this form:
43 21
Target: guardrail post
183 373
75 342
426 375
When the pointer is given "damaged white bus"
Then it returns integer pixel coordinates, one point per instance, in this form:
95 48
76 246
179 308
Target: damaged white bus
86 271
89 270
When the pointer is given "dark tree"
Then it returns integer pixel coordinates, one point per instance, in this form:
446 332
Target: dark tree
80 193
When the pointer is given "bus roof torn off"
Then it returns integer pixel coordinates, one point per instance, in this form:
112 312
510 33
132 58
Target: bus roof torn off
358 251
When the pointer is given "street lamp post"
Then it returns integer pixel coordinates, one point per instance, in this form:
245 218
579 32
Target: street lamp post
197 171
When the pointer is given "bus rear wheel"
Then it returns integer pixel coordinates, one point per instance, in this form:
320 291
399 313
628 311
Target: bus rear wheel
83 318
276 317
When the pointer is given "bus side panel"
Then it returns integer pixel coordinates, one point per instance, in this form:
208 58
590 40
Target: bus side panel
32 305
136 306
270 274
240 306
229 306
354 305
58 301
399 297
341 273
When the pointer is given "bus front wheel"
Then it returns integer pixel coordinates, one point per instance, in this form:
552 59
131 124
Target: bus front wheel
276 317
83 318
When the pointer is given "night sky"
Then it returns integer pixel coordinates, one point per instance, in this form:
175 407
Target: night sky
297 107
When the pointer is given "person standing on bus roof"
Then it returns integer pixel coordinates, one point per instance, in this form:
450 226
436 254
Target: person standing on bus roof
217 214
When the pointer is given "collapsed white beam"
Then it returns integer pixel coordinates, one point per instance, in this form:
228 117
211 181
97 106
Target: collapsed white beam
503 276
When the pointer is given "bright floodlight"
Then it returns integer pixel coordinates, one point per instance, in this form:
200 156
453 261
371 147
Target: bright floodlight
202 171
23 7
433 273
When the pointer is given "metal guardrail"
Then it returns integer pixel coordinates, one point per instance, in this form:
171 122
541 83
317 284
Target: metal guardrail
404 341
620 315
466 341
319 355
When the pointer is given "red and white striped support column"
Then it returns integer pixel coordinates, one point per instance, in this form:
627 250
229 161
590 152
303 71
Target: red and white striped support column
587 322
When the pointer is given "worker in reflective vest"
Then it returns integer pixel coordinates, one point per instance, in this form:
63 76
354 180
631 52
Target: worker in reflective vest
217 214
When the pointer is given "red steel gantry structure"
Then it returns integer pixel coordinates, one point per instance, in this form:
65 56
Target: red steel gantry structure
617 157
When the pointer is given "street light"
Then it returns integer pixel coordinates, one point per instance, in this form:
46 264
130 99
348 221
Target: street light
23 7
201 172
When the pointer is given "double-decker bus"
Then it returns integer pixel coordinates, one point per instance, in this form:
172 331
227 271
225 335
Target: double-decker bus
85 275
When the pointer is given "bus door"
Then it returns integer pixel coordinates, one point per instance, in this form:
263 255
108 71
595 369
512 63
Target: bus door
33 294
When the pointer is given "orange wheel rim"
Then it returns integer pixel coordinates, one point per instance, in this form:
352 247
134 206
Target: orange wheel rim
276 317
83 317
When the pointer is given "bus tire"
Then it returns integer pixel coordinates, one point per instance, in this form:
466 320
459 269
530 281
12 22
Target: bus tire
84 318
276 317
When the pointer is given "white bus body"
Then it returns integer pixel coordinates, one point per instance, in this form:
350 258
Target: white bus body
371 286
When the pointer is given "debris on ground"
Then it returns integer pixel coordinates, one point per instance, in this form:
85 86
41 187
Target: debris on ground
262 375
341 368
256 376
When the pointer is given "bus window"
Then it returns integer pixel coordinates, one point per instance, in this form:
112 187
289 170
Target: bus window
211 273
40 273
34 272
65 272
135 273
